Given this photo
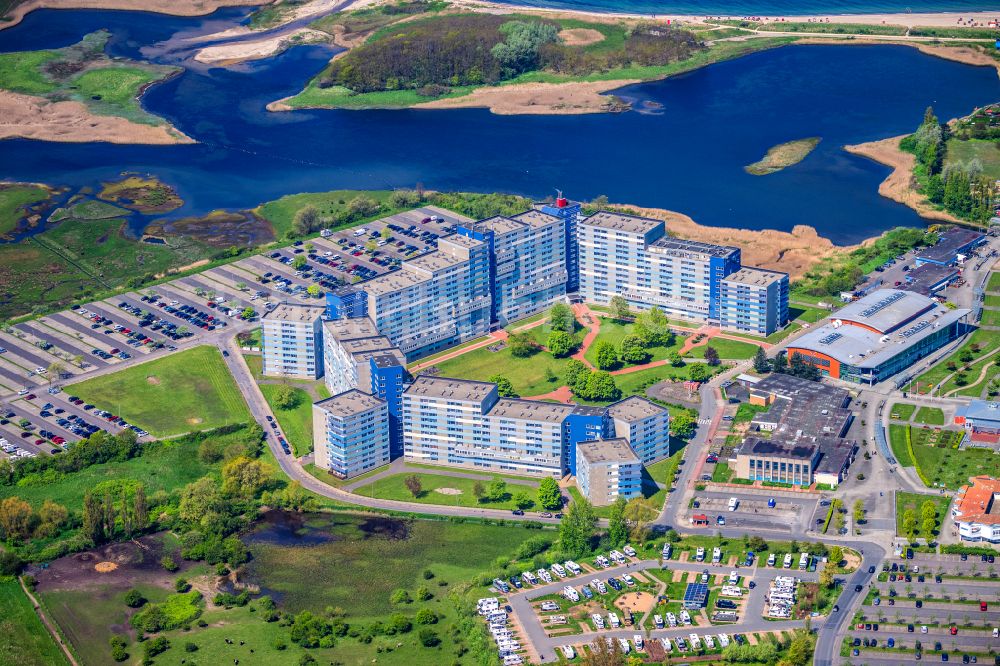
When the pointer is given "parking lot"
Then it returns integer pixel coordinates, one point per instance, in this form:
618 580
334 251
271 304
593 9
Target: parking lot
767 508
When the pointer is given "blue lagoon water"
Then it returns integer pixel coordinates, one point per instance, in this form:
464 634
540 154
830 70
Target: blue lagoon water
687 156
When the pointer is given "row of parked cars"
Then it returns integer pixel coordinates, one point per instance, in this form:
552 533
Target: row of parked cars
497 620
147 320
15 451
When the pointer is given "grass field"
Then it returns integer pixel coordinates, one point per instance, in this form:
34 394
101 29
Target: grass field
24 641
946 466
394 488
528 375
112 91
985 339
902 411
929 416
991 317
986 152
165 466
614 332
13 199
281 212
296 423
914 501
186 391
728 349
21 71
991 301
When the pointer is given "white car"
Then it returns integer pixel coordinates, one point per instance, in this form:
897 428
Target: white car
625 646
637 639
665 642
629 550
568 651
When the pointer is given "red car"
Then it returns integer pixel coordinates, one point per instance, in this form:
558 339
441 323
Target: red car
953 630
30 396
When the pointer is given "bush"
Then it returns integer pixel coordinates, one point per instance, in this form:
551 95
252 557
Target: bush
428 637
134 598
426 616
156 646
168 563
181 585
190 647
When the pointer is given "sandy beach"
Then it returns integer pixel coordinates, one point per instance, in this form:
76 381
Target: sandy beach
794 252
31 117
535 98
175 7
899 185
225 54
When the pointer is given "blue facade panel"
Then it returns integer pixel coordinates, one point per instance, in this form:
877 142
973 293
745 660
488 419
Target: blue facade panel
569 211
719 268
581 428
387 384
346 304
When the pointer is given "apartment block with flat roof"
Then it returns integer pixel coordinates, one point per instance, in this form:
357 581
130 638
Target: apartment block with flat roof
292 341
606 470
644 425
351 433
628 256
754 300
435 301
569 212
527 255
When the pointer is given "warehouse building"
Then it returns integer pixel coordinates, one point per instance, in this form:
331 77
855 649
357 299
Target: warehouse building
953 247
877 336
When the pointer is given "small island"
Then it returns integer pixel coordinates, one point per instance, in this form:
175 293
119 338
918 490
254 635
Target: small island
783 156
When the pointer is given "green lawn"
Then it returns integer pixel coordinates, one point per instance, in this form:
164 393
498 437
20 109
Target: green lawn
21 71
166 466
722 473
930 416
281 212
990 300
296 423
13 199
186 391
897 441
728 349
986 152
24 641
807 313
943 464
528 375
394 488
614 332
991 317
914 501
902 411
985 339
994 282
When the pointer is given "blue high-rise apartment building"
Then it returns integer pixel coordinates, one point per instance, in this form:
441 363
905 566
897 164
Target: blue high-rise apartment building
292 341
351 433
569 211
754 300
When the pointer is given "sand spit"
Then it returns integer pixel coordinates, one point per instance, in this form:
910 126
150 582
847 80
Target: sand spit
536 98
899 185
226 54
31 117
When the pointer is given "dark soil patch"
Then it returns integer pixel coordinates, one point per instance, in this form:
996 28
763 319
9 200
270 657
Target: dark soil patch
385 528
137 561
283 528
103 239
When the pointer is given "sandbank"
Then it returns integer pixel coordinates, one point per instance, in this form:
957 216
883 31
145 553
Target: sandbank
899 184
240 51
536 98
794 252
175 7
31 117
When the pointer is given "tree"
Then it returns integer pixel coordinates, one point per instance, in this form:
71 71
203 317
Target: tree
910 523
698 372
633 350
51 518
561 318
617 525
826 577
760 362
607 357
201 502
313 290
412 483
496 491
504 386
134 598
640 511
285 397
242 286
577 528
428 637
560 343
683 425
859 511
780 362
656 326
17 519
604 654
244 476
479 491
676 359
299 262
306 220
798 367
836 555
712 356
56 370
619 308
549 495
362 206
574 370
521 345
426 616
522 501
248 312
756 544
598 385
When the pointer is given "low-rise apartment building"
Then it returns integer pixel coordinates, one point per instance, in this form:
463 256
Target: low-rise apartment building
351 433
644 425
292 341
606 470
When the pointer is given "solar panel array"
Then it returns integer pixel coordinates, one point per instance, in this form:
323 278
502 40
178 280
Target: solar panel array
831 338
882 304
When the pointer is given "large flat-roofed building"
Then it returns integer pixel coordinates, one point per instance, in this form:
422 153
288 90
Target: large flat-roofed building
527 261
981 419
800 438
351 433
608 469
435 301
754 300
357 357
953 246
628 256
465 423
877 336
292 341
929 279
644 425
976 510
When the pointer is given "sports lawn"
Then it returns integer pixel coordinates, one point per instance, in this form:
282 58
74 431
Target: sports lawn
443 490
186 391
24 641
930 416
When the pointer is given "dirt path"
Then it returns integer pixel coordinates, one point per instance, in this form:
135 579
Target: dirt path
56 636
582 312
563 394
899 185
